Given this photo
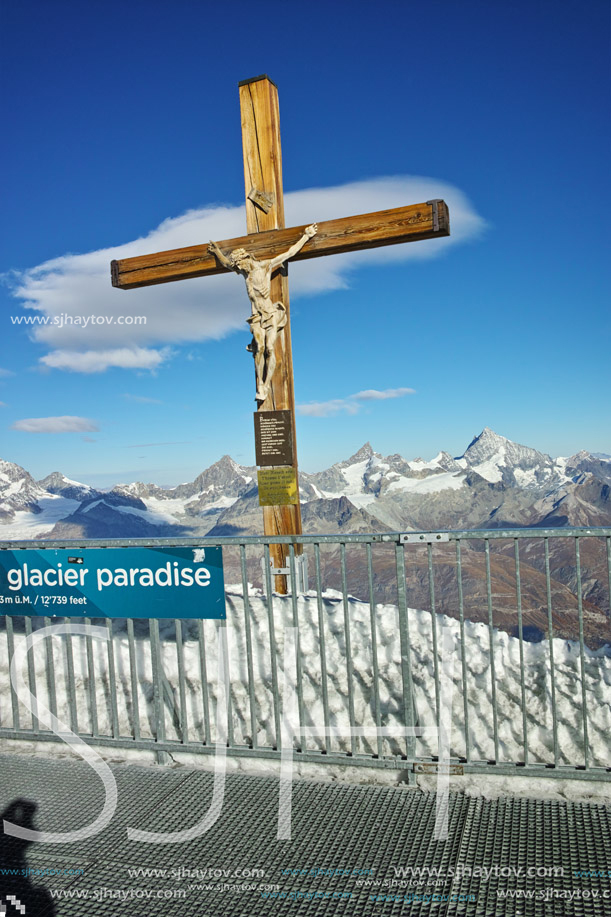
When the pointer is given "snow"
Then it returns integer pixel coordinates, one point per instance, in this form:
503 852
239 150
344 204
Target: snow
353 476
90 506
362 500
26 525
421 465
15 486
525 478
489 470
537 680
432 484
75 483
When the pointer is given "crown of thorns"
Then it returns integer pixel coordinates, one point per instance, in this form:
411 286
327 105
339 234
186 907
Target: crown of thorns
237 254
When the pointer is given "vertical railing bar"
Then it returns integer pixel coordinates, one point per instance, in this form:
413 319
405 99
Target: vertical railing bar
495 712
158 704
249 657
409 710
204 680
180 657
463 659
93 701
273 648
71 689
433 627
582 656
112 681
348 643
374 650
10 644
133 672
31 673
516 549
50 671
327 740
230 703
301 741
550 637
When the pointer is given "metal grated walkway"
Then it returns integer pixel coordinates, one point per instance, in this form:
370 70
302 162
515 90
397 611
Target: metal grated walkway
354 850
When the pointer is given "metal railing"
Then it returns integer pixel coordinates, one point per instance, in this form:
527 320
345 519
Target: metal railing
525 613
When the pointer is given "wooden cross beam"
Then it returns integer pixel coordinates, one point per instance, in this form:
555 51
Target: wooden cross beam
267 237
349 234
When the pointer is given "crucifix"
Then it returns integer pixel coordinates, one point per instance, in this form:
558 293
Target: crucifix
261 258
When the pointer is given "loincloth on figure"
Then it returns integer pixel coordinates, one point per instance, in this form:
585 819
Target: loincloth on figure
273 316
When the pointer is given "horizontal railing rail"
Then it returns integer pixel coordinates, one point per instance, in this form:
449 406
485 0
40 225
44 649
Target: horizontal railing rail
373 538
507 631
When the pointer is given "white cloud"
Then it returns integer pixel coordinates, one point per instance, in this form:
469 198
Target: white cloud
2 404
6 372
350 405
372 394
97 361
65 424
210 307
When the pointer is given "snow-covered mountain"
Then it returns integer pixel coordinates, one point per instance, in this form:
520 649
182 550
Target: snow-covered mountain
27 508
495 482
57 483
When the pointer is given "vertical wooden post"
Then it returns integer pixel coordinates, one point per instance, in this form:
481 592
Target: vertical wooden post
263 173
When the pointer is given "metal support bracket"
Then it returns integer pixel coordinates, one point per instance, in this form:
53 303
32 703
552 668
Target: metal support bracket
423 537
435 205
453 770
263 199
301 573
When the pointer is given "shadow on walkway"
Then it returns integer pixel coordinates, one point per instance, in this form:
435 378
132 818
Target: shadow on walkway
18 896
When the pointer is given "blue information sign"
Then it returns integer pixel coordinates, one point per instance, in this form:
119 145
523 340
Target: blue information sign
113 582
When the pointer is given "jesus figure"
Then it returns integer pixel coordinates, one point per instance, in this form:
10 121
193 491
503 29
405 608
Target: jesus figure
268 318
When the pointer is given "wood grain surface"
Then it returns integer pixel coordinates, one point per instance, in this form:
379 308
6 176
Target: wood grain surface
347 234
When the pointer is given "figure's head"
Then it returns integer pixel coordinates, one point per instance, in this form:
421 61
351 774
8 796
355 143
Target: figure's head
238 256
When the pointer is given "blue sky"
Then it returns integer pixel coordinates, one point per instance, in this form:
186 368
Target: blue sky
122 135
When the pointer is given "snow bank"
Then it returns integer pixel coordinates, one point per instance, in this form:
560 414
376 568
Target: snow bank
199 694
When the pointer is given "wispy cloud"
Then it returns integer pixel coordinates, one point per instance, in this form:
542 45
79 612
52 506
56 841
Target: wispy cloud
96 361
6 372
2 404
142 399
352 404
65 424
372 394
210 307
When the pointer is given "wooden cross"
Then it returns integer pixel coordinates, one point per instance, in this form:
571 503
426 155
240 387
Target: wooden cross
267 237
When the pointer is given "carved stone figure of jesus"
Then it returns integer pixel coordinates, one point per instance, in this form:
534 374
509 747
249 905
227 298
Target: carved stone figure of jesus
268 318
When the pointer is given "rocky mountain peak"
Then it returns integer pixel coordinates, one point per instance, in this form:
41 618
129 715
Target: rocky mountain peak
10 471
364 453
18 490
487 443
57 483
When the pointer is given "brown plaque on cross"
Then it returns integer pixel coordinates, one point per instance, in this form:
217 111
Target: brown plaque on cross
273 438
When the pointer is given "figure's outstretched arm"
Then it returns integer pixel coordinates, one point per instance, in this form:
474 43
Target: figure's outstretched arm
215 250
280 259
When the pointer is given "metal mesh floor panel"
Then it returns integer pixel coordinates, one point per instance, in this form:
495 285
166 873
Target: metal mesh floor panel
373 845
553 858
